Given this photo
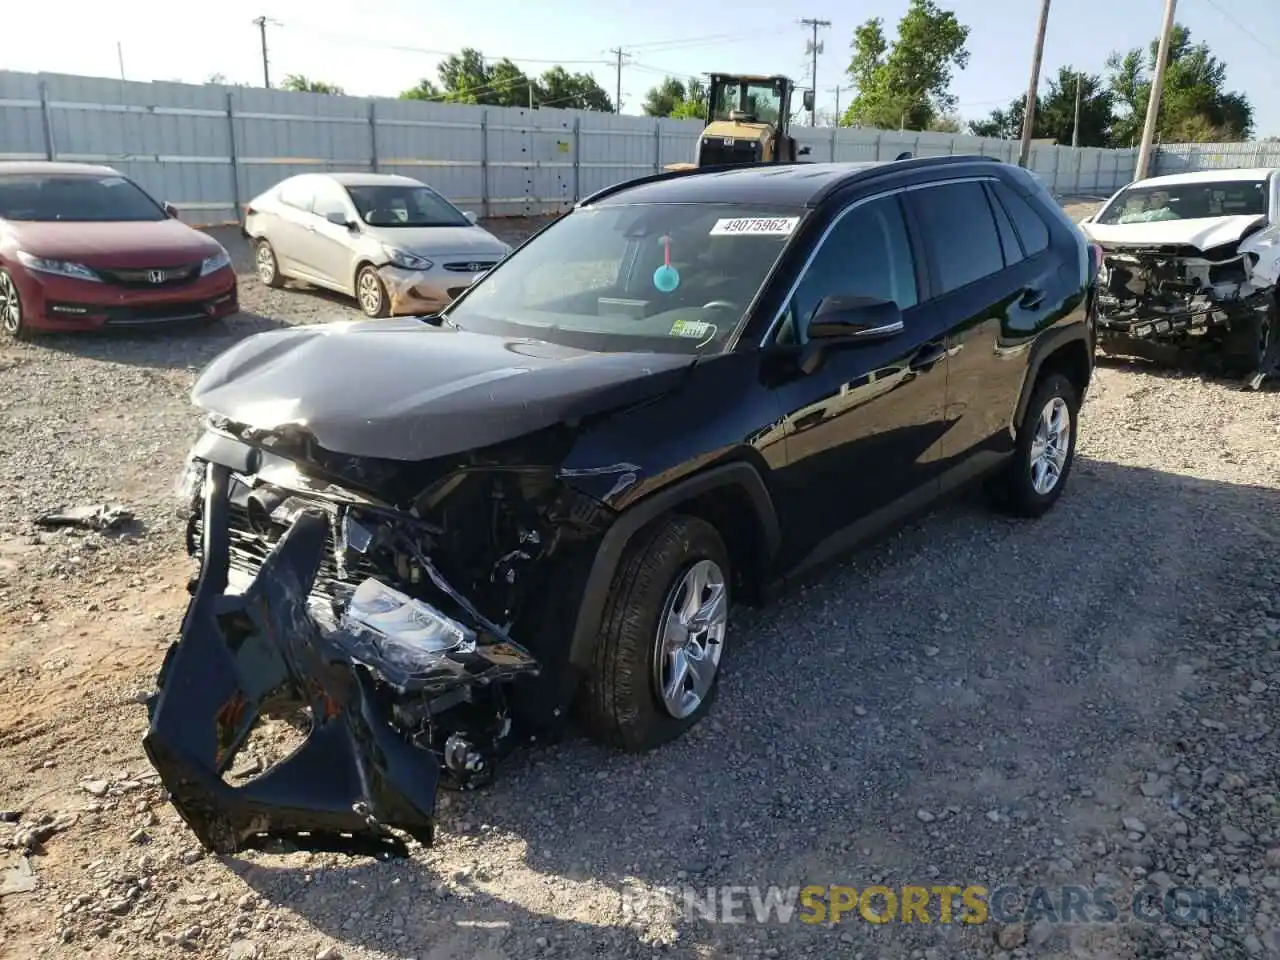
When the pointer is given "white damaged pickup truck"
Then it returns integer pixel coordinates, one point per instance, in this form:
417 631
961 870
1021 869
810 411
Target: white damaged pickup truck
1194 258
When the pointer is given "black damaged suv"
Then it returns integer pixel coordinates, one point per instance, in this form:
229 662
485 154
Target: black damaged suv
689 390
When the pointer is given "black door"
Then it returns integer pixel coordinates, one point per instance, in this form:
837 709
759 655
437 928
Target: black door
991 297
862 429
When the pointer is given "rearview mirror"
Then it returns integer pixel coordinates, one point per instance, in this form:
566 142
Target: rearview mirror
808 99
171 210
340 220
804 151
848 320
471 217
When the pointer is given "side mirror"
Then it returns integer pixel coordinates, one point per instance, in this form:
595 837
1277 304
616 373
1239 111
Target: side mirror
171 210
471 217
808 99
340 220
804 151
848 320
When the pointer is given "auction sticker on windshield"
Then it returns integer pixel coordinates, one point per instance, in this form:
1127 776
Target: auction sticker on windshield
760 226
695 329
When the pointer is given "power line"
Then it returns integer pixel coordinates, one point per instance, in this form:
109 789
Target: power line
1251 34
814 49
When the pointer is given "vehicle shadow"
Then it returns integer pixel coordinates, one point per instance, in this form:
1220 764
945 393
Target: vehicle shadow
1172 363
183 346
936 709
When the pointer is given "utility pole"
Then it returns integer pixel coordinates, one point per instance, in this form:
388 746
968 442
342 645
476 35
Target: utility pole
261 24
120 57
617 98
1075 126
1029 114
837 91
815 48
1157 88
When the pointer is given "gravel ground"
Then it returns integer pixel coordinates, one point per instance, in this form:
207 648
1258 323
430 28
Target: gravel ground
1088 699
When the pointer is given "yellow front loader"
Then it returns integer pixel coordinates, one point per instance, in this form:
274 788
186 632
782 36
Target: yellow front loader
747 122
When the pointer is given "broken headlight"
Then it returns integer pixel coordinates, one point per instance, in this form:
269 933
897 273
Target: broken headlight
189 484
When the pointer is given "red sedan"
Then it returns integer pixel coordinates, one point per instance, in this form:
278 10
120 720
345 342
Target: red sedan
82 247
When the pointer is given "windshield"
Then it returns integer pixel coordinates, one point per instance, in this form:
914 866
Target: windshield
1188 201
760 101
662 277
75 198
405 205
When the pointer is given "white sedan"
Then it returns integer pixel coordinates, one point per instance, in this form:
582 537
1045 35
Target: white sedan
391 242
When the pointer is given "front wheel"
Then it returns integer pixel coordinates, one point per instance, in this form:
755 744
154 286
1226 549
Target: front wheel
371 293
266 265
1034 477
12 317
657 660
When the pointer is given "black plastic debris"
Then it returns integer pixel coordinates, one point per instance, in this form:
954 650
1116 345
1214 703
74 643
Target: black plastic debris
352 783
102 516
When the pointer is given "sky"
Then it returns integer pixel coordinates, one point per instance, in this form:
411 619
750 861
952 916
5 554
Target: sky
381 47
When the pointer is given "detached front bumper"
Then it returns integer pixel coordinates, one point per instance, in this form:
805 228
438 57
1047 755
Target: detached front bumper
1159 325
358 777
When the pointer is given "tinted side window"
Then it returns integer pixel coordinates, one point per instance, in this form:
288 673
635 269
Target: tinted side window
329 199
296 194
1032 230
961 231
1008 237
867 255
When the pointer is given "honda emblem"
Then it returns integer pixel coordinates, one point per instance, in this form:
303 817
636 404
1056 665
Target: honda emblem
157 276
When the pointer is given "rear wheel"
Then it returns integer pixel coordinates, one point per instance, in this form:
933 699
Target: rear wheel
371 293
658 655
12 317
266 265
1034 478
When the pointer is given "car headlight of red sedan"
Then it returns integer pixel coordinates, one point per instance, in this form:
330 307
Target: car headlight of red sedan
59 268
215 263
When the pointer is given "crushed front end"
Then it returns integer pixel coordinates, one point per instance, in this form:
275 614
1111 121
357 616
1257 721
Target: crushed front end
1180 295
314 597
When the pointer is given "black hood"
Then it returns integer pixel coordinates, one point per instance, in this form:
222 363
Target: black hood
408 390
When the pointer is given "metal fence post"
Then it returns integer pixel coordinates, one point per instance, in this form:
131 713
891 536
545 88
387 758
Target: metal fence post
233 153
878 136
577 159
834 132
484 164
657 144
50 149
373 135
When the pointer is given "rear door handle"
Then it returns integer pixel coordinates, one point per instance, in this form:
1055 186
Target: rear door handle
1031 299
927 356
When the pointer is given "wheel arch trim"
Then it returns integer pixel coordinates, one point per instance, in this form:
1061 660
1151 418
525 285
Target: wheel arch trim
608 555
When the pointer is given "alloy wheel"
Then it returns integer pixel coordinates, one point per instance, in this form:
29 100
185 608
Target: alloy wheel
1050 445
691 635
266 262
10 305
370 293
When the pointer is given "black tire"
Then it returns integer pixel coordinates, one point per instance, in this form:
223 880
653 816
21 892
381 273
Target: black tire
12 313
621 704
367 277
1013 490
266 266
1251 346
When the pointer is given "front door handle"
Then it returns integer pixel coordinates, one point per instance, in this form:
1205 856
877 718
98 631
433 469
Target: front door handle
926 357
1031 299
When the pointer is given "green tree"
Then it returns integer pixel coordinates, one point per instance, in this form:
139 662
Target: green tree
1195 105
300 84
424 90
466 77
559 88
906 83
678 99
1055 112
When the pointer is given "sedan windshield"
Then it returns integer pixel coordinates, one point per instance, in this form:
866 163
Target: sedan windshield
668 277
77 198
404 205
1187 201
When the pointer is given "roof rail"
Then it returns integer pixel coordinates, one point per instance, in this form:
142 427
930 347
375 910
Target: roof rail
885 166
675 174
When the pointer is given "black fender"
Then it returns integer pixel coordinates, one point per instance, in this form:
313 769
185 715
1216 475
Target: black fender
634 518
1048 344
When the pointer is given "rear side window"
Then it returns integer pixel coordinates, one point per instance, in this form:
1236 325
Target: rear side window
959 227
1032 230
297 193
1008 236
